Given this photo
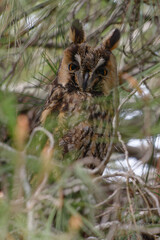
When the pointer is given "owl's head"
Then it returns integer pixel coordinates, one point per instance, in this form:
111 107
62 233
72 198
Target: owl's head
86 68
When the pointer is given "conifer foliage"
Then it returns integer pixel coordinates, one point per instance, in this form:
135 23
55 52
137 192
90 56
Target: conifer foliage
44 195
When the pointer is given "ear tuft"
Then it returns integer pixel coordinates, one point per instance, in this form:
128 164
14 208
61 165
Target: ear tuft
112 41
76 32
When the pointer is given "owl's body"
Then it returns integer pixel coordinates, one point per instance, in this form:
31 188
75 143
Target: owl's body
81 97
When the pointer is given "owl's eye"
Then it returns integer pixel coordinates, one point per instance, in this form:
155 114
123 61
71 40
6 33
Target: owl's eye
102 71
72 67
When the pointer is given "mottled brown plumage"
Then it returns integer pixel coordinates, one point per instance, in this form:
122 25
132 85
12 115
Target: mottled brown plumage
81 97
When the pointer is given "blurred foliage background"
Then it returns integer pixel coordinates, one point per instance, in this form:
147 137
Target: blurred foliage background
42 198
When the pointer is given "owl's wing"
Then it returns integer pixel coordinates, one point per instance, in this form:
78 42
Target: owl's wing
53 102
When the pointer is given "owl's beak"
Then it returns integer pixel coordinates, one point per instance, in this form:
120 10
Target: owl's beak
85 80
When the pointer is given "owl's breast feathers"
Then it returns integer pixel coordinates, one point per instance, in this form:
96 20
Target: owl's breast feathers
84 119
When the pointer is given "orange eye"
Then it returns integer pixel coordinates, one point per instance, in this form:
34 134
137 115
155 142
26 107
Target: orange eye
102 71
72 67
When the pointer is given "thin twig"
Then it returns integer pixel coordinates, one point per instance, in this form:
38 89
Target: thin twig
143 196
108 199
118 11
135 90
149 193
10 149
41 129
125 150
131 208
28 12
103 226
131 175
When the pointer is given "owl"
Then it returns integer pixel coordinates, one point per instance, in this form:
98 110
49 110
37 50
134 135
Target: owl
81 99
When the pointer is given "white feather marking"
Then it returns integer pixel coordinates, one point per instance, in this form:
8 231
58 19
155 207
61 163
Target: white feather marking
100 62
78 58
